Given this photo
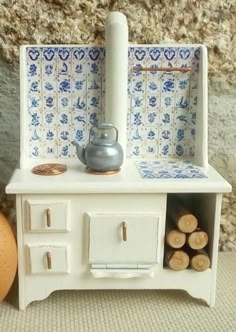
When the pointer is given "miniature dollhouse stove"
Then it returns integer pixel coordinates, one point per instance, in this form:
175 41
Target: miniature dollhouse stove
81 231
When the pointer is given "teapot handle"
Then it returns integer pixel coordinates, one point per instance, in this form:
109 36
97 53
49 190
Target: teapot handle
103 126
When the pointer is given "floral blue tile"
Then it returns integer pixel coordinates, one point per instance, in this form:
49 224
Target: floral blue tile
168 84
152 117
50 102
166 118
152 102
166 169
64 102
93 118
64 151
136 119
33 71
180 149
167 103
165 133
34 86
151 134
137 102
94 101
138 85
79 134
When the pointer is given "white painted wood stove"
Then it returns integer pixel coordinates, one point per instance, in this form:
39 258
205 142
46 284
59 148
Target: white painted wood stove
82 231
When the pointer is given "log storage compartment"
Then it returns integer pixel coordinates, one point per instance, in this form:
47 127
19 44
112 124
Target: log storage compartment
189 229
152 225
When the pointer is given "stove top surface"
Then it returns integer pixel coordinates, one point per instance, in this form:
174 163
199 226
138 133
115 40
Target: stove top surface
134 177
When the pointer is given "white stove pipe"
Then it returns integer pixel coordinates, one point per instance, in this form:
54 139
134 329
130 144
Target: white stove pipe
116 74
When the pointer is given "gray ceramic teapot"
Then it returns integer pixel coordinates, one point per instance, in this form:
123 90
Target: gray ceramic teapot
103 152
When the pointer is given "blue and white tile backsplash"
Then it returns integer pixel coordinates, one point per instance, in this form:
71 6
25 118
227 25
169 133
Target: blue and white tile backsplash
65 88
65 96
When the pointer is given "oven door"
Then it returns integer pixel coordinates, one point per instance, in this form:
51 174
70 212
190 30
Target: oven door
128 238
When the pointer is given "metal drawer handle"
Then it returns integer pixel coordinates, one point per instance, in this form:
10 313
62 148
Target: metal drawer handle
124 230
48 214
49 260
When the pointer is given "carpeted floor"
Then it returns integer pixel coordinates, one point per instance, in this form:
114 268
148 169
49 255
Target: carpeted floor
122 310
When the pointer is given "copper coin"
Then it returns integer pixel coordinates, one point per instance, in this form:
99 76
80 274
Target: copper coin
49 169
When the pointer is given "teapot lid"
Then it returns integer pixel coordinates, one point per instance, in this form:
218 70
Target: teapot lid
104 139
104 135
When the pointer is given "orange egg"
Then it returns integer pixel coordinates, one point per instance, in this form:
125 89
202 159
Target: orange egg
8 257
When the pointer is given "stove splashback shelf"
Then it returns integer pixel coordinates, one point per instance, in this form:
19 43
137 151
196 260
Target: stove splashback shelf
63 95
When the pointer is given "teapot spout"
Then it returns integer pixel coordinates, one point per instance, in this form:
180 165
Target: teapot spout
80 151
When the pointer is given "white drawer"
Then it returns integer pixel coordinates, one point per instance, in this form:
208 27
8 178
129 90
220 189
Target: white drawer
48 259
109 245
46 216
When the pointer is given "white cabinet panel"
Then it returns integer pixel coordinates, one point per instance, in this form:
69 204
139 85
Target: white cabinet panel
48 259
46 216
123 238
96 253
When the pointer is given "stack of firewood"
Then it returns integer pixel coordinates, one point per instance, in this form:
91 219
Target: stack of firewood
185 241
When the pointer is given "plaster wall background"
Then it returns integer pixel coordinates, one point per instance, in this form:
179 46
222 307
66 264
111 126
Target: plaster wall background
55 21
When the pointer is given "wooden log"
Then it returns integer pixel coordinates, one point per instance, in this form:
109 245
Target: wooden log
181 216
175 238
200 261
177 259
197 239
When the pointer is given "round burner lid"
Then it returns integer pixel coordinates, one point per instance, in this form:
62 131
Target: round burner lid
49 169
